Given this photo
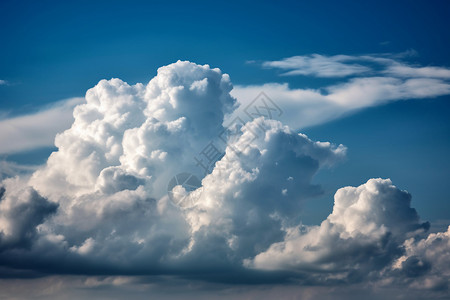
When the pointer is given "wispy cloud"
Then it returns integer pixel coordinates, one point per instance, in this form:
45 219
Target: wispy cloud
3 82
375 79
383 78
38 129
358 65
317 65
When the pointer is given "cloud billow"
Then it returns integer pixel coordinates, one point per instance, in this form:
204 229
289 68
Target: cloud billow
100 204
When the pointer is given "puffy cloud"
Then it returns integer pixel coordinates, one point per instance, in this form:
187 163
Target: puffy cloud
21 210
364 233
307 107
110 173
112 167
407 71
239 210
152 132
429 256
100 204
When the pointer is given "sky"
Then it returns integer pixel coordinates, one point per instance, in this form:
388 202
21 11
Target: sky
238 149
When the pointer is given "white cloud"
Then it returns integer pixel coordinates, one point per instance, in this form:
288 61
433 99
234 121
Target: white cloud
21 210
318 65
391 80
307 107
37 129
168 287
110 173
109 177
11 169
407 71
3 82
240 201
152 132
366 92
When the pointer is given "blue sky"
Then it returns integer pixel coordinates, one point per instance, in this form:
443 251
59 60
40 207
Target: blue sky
58 50
52 51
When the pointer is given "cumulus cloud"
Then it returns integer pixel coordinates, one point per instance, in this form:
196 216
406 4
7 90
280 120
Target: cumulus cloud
364 232
22 209
100 204
408 71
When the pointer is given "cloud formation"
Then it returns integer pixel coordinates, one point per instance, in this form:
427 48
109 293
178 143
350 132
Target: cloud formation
100 205
355 65
365 231
22 209
317 65
372 80
37 129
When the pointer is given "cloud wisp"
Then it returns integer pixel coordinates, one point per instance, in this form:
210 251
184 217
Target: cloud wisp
370 80
100 206
318 66
38 129
337 66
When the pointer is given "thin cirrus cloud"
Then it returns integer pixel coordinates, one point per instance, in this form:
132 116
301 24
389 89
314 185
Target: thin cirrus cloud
37 129
317 65
100 206
336 66
381 80
407 71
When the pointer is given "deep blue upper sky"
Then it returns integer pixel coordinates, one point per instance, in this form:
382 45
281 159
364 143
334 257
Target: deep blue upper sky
51 50
58 49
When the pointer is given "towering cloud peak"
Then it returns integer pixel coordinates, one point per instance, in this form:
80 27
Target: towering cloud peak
133 133
365 231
